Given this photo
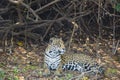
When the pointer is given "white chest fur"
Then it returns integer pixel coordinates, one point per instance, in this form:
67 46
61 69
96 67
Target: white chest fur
52 62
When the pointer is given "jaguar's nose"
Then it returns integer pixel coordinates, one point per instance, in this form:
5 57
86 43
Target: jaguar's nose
64 49
61 51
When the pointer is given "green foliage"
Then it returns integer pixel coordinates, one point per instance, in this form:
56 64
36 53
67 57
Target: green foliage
61 79
40 73
69 76
10 78
85 78
15 78
30 67
117 7
2 64
111 71
2 74
16 71
23 70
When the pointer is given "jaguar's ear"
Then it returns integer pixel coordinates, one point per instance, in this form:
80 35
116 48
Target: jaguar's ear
51 40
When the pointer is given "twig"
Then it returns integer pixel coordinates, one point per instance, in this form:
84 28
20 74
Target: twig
107 12
79 76
48 28
31 10
116 47
74 27
18 2
113 31
55 1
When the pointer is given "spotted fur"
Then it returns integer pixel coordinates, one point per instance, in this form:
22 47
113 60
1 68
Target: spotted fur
81 63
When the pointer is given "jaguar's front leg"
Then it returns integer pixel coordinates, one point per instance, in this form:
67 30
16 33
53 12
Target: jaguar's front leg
58 71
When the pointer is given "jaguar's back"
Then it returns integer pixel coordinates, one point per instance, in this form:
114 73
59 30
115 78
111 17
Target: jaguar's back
76 57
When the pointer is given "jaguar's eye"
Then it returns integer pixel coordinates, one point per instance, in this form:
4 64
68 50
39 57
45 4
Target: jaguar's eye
50 51
59 51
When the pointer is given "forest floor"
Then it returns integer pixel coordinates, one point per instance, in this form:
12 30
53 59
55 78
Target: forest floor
26 64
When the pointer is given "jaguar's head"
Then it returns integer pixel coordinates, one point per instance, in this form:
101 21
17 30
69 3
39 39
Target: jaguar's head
55 47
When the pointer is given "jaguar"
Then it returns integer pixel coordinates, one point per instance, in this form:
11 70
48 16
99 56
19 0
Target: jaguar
57 59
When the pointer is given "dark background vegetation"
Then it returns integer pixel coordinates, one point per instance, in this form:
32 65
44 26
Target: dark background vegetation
41 19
